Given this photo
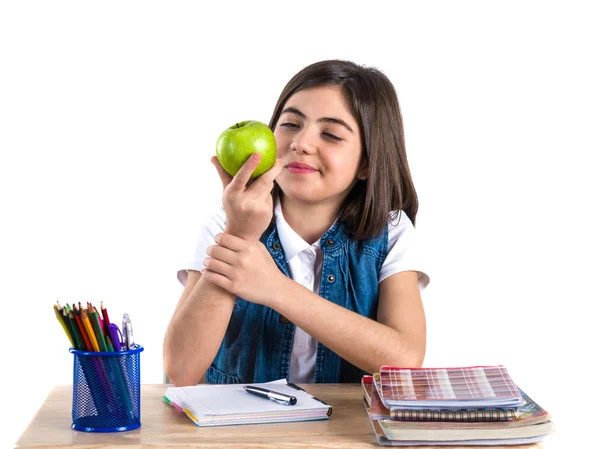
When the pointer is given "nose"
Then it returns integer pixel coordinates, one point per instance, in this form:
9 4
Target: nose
303 142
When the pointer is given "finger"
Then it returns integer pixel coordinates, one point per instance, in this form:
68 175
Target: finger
222 253
217 266
230 241
225 177
265 181
243 175
218 279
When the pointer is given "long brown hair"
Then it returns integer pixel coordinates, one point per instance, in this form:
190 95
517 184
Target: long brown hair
374 105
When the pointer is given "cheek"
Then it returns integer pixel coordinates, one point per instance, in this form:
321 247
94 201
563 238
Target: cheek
340 162
282 143
345 168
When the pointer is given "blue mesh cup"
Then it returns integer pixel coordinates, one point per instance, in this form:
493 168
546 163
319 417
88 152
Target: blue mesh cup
106 390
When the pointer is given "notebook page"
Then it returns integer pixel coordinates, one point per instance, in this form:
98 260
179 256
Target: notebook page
223 400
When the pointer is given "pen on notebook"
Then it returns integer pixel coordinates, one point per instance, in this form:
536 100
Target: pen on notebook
272 395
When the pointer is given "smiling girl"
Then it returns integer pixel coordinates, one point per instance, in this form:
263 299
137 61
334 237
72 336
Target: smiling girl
311 272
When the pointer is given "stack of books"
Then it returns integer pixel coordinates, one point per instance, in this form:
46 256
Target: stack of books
476 405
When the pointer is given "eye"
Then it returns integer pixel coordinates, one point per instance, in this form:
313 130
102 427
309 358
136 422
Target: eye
332 137
288 125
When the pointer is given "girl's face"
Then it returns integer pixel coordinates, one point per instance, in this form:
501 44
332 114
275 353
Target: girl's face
320 144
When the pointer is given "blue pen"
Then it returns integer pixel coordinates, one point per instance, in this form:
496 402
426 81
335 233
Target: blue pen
115 335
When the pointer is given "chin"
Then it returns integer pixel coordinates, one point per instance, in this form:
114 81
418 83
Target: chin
300 193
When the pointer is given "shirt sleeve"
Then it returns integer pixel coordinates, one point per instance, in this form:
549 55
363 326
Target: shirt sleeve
403 251
206 237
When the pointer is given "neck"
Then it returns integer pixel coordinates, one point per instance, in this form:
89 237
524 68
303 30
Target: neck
309 220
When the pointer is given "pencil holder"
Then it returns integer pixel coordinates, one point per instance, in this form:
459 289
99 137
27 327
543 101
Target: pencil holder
106 390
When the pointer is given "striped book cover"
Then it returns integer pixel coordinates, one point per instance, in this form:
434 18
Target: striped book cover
448 388
530 413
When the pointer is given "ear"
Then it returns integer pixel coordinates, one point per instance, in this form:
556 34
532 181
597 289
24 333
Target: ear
363 172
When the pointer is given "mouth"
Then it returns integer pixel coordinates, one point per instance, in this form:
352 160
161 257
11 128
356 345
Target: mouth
299 167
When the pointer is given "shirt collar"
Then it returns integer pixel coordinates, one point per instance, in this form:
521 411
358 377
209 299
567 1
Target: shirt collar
291 242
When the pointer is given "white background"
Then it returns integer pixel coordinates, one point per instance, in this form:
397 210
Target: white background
109 113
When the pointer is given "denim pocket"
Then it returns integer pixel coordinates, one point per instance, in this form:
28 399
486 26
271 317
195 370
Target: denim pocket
214 376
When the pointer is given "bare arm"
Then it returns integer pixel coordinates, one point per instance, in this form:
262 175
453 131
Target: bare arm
396 338
196 330
200 320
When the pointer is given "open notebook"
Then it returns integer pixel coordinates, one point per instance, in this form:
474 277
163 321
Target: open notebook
222 405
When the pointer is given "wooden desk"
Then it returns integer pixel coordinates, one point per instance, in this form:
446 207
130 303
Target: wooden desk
162 426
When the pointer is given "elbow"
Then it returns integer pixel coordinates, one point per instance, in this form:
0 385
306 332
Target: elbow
412 358
415 358
178 372
403 362
415 362
179 376
412 352
182 381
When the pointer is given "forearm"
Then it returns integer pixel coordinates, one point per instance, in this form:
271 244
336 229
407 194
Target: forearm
195 332
361 341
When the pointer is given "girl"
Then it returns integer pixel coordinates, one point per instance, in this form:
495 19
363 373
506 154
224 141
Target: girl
309 273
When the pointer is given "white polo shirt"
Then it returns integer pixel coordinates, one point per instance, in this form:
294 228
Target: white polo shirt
305 264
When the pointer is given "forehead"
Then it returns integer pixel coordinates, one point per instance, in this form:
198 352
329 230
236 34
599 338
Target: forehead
322 101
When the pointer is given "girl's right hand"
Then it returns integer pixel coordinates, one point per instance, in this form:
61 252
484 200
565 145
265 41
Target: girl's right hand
249 208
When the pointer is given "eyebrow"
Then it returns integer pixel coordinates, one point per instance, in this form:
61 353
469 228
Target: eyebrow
339 121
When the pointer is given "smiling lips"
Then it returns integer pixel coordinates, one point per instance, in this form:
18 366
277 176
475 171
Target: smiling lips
300 168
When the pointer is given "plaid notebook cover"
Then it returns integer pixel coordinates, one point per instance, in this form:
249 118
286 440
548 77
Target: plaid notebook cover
444 386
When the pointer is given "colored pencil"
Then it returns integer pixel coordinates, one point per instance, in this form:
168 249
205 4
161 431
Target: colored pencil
90 331
63 324
84 335
76 332
98 331
106 321
70 327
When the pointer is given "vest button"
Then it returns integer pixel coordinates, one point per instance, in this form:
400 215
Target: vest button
283 319
276 246
331 278
330 242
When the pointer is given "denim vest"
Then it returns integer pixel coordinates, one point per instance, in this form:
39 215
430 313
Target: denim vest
257 345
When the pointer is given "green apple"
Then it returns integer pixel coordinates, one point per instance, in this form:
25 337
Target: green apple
238 142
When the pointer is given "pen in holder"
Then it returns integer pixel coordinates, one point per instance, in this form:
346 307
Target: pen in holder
106 390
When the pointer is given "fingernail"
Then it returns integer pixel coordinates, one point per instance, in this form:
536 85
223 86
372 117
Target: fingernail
256 157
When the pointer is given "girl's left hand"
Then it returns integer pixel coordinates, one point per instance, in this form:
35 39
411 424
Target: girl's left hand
244 268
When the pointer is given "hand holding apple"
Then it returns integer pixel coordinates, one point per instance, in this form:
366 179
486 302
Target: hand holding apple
248 208
247 150
238 142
